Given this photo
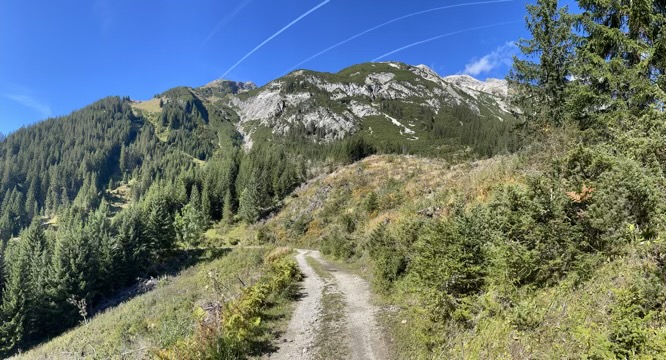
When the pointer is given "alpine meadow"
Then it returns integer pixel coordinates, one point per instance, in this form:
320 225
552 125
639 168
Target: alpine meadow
378 211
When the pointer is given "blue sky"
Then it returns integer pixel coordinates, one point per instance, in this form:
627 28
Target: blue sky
58 56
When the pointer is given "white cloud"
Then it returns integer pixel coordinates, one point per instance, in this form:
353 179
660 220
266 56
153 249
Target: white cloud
501 56
32 103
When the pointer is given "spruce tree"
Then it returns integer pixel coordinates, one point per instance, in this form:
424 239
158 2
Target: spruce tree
133 248
37 285
160 226
14 309
620 66
75 270
189 225
206 204
104 246
539 79
251 201
228 210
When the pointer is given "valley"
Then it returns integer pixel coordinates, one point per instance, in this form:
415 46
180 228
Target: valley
378 211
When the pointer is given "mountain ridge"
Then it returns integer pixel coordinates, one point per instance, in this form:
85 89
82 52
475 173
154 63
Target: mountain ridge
393 105
332 106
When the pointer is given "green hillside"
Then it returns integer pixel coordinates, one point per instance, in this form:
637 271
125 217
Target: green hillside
169 315
499 219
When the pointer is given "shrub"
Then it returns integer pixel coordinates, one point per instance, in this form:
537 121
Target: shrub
629 194
389 261
237 323
450 262
371 203
337 246
540 241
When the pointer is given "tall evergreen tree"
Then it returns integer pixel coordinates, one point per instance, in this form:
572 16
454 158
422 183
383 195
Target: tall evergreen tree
160 225
37 284
14 310
620 65
189 225
133 248
228 210
539 79
75 270
251 201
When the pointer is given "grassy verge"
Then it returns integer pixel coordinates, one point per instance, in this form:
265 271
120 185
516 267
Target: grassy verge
174 311
331 336
241 327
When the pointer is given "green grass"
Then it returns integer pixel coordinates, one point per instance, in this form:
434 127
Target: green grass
157 319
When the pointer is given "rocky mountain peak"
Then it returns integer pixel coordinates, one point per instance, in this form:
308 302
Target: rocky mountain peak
338 104
234 87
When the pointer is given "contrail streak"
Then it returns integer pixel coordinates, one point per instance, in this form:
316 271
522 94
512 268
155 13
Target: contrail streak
390 22
276 34
226 19
444 35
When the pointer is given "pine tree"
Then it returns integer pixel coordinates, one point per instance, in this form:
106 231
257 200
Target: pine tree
206 204
620 65
251 201
31 200
133 249
14 309
189 225
37 282
195 197
2 269
104 246
75 271
228 210
160 226
539 81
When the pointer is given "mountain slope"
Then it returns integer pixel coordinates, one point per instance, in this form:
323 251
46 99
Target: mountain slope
111 192
390 103
492 259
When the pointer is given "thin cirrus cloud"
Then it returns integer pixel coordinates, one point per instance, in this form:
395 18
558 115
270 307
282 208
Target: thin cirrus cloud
285 28
31 103
226 20
443 36
102 11
501 56
391 22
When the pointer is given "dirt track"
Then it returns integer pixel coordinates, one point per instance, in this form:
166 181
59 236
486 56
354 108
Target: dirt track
362 335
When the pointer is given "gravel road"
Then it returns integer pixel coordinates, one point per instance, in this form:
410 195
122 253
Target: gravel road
363 335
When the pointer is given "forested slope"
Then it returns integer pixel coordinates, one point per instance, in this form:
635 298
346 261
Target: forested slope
554 252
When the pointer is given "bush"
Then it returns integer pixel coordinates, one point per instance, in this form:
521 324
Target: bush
237 325
450 264
337 246
371 203
541 240
627 195
389 260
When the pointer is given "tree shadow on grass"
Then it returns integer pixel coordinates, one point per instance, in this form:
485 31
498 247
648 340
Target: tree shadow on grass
170 265
267 342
